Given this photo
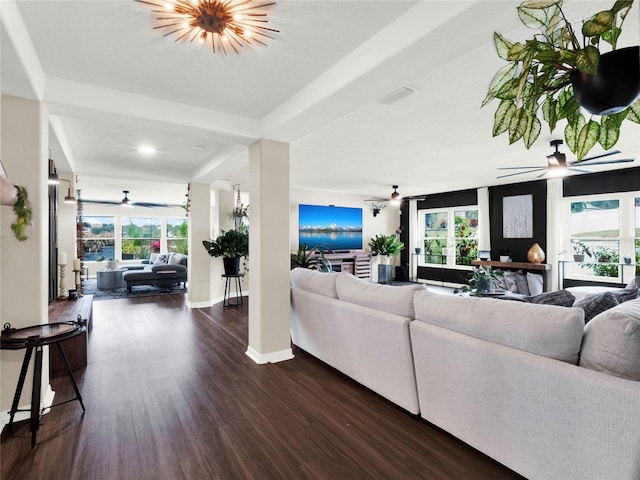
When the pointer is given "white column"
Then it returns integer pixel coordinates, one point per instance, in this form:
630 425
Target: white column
24 265
484 219
269 334
200 266
557 222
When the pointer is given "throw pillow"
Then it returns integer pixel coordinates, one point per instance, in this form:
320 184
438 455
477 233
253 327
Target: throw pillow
597 303
611 342
562 298
161 260
634 283
510 282
521 282
535 283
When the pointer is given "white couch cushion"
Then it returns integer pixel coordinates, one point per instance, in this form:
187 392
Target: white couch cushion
398 300
611 341
314 281
548 330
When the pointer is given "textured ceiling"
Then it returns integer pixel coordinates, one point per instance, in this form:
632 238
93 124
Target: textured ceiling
111 83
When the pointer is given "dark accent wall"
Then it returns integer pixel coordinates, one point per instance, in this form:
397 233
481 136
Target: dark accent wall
624 180
439 200
518 247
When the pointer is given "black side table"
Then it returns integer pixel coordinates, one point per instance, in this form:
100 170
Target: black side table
229 279
36 337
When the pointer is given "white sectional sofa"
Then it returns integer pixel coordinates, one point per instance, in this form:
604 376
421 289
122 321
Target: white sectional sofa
527 384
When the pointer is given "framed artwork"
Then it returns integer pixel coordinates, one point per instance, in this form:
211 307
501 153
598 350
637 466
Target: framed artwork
517 216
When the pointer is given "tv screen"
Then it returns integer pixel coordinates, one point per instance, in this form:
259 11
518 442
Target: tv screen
330 228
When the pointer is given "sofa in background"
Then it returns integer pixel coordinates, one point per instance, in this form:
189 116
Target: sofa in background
160 270
527 384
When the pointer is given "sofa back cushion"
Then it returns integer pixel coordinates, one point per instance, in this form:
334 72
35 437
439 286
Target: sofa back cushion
314 281
611 341
547 330
398 300
177 259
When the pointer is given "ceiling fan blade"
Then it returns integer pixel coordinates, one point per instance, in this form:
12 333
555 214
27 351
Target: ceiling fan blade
154 205
605 162
522 173
99 202
581 170
612 152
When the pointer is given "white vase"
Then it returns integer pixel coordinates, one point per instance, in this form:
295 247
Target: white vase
385 259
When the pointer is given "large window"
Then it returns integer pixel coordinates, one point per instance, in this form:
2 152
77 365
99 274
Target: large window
177 233
450 236
605 229
140 237
98 241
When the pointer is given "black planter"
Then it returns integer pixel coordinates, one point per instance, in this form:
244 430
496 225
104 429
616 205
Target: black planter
614 87
231 265
384 273
485 285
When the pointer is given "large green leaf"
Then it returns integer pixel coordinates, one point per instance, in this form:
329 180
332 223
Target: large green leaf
518 125
598 24
571 132
517 52
549 113
587 60
621 4
536 14
502 45
633 112
502 117
611 36
503 75
532 131
609 132
587 138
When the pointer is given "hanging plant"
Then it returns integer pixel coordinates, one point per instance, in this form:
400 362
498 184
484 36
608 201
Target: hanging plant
22 209
548 74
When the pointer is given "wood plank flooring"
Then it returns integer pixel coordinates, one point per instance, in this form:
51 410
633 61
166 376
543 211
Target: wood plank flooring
170 394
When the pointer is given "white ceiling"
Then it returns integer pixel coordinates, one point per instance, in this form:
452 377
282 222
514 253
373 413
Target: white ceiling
111 83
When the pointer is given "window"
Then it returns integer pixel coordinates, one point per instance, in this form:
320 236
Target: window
177 235
98 241
595 233
140 237
450 230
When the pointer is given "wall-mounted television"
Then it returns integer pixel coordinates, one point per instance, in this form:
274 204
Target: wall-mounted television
330 227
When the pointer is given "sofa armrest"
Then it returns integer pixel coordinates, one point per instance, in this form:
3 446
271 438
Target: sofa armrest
170 268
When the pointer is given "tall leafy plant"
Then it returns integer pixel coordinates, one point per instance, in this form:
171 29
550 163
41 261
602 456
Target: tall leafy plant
538 77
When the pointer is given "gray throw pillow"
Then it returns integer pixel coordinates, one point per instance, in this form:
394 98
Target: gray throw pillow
634 283
161 260
562 298
600 302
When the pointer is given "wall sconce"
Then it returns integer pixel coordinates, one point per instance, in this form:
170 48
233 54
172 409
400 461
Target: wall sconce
69 198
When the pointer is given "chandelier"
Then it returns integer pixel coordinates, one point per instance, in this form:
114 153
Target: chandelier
224 25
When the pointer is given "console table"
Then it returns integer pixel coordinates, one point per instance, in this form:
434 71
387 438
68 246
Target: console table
355 263
543 268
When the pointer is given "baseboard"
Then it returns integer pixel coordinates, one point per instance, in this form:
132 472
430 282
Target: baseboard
273 357
46 402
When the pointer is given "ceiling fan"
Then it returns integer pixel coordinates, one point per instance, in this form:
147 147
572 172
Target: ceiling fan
395 198
126 202
557 163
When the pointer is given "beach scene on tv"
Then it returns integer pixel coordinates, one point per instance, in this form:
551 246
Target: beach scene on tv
330 228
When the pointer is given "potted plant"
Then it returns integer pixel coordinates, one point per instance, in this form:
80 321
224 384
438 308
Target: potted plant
22 209
553 73
231 246
482 280
238 214
385 246
306 258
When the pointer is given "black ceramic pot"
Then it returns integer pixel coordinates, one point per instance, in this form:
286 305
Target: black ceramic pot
614 87
231 265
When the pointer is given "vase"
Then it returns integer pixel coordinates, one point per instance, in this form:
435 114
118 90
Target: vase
384 273
535 254
614 87
231 265
485 285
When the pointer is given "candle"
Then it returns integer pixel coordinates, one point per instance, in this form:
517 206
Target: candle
62 258
76 264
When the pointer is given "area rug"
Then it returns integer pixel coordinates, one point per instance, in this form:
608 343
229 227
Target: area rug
89 288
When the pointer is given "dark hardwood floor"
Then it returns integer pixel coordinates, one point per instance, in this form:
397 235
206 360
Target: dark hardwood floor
170 394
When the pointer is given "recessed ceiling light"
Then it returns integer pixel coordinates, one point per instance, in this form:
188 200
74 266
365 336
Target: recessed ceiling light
146 149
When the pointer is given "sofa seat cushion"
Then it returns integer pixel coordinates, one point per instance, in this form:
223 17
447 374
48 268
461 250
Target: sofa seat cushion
611 341
547 330
314 281
397 300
